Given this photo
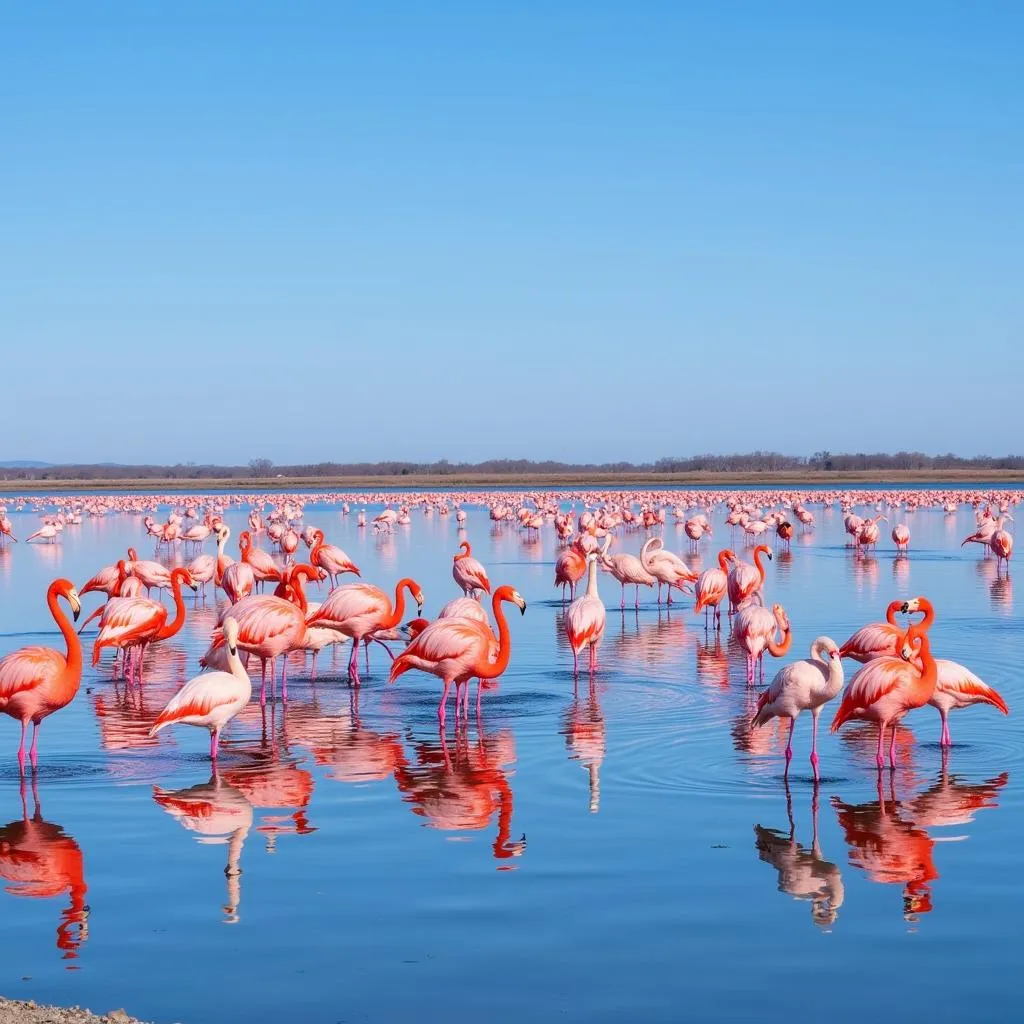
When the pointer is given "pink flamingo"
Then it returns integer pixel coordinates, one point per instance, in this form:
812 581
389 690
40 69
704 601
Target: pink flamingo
585 620
958 687
755 629
746 580
570 567
358 610
881 639
806 685
626 568
263 566
37 681
151 574
330 558
134 623
901 536
1001 544
885 689
468 573
665 566
712 585
456 650
212 699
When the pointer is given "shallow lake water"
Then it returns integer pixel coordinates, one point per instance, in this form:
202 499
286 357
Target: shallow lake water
627 851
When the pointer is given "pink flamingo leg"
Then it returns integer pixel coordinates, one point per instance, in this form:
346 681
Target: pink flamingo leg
33 752
879 759
814 746
575 663
892 747
21 748
263 684
214 743
789 746
945 740
479 687
593 659
284 677
441 710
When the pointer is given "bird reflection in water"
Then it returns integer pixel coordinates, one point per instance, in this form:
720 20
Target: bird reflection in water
584 729
901 569
219 815
649 643
712 662
460 787
783 562
340 742
865 572
804 873
39 860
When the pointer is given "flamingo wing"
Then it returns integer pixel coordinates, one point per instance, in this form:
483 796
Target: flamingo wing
26 669
958 680
874 681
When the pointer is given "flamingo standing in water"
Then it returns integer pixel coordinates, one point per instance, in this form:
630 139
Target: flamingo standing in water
133 623
263 566
958 687
585 620
746 580
468 573
626 568
712 585
665 566
901 536
755 629
806 685
330 558
885 689
880 639
1001 544
570 568
455 650
36 681
212 699
358 610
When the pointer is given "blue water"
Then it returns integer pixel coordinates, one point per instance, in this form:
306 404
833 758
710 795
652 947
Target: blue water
630 852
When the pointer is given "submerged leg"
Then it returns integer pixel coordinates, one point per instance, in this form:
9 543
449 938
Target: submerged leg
789 745
814 746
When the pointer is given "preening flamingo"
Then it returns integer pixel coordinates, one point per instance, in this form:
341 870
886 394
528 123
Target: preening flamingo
626 568
212 699
263 566
456 650
885 689
570 568
330 558
37 681
901 536
665 567
585 620
746 580
468 573
755 628
958 687
806 685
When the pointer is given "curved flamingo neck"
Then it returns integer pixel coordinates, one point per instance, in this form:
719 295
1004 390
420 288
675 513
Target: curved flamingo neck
174 626
492 671
759 565
929 616
723 560
890 612
318 543
466 551
929 669
592 577
778 650
399 609
73 657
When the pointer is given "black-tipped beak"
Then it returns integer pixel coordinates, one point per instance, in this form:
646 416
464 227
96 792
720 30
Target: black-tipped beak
905 607
233 651
76 612
769 556
195 589
419 607
522 610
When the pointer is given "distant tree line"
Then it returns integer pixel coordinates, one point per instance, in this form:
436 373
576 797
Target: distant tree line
752 462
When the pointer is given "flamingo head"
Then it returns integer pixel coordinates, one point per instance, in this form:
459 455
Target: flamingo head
231 635
827 645
66 587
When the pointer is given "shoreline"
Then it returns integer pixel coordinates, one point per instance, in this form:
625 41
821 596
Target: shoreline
18 1011
541 481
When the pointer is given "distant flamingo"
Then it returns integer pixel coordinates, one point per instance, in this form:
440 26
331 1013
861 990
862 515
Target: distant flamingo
469 574
212 699
784 531
151 574
456 650
755 629
263 566
585 620
1001 544
901 536
712 585
806 685
665 566
885 689
570 568
36 681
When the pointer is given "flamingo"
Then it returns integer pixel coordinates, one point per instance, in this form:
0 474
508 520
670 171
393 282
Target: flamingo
755 629
1001 544
151 574
958 687
37 681
358 610
469 574
47 532
212 699
879 639
456 650
263 566
626 568
585 620
331 559
784 531
987 528
901 536
885 689
665 566
806 685
746 580
133 623
712 585
202 569
268 626
570 568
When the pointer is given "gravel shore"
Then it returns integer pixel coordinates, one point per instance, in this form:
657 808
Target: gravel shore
14 1011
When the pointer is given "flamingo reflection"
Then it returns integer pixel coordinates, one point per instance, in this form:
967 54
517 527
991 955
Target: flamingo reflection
804 873
39 860
219 815
890 849
585 733
461 788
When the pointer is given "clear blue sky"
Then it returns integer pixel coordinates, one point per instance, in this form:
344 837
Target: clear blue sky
582 231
